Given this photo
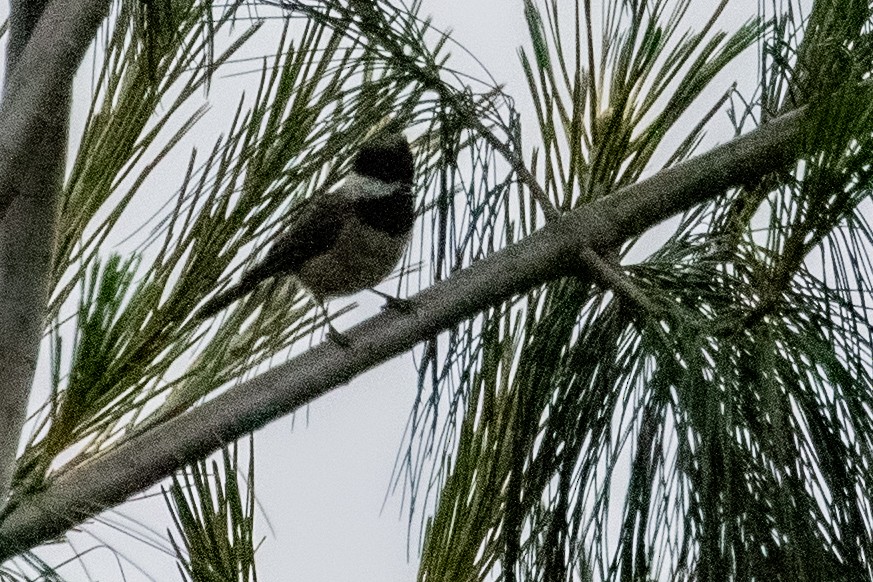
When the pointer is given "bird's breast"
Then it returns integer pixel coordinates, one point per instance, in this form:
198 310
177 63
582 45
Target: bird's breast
360 258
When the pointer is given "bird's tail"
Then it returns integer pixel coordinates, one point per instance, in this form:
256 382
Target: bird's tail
224 299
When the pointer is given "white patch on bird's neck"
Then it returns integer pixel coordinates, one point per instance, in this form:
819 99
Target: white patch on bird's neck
358 187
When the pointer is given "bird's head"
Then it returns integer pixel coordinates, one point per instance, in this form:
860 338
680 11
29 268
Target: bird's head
386 158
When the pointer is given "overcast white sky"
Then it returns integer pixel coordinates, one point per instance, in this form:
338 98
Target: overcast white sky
322 476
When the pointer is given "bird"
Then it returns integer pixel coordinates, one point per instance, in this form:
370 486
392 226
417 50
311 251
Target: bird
343 240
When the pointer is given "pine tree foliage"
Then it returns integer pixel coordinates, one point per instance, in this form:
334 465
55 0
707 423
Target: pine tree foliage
704 414
717 430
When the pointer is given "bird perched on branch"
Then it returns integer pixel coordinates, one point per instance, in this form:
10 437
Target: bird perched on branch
343 240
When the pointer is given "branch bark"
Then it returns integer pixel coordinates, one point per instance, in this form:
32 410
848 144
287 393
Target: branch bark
44 68
47 42
155 454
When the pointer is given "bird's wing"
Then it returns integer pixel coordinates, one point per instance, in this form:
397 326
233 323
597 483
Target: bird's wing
313 232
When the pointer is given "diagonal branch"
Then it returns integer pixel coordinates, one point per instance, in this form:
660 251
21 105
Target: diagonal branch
147 458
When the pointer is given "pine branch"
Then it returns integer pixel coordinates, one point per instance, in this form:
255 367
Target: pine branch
47 44
44 70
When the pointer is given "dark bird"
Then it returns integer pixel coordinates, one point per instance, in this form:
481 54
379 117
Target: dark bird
344 240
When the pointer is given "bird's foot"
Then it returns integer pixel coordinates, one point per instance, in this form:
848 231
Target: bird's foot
336 337
398 304
395 303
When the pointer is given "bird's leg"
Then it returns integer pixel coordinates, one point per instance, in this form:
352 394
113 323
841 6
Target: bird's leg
392 302
332 333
